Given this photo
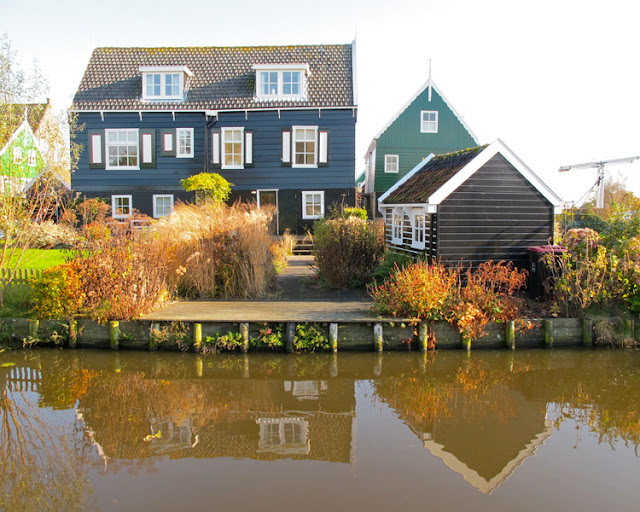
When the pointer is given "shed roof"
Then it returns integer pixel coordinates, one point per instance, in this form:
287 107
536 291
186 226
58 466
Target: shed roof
223 77
435 173
435 178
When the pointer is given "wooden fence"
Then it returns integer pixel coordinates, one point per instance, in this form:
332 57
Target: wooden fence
17 288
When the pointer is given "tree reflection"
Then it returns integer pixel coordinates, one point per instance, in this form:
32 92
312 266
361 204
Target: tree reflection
42 466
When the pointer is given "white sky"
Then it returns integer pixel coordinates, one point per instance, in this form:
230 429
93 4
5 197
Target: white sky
556 80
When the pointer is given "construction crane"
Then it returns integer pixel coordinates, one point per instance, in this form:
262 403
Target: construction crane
600 166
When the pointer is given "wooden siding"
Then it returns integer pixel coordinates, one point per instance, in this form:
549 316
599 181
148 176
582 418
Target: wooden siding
164 178
268 171
428 252
405 139
494 215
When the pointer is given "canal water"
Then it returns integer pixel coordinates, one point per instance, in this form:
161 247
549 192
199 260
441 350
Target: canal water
489 431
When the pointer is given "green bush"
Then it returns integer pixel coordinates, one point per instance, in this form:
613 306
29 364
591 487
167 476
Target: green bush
346 250
267 338
309 338
228 342
390 262
208 185
57 293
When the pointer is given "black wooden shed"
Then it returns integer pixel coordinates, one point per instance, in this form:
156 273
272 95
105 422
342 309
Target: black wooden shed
474 205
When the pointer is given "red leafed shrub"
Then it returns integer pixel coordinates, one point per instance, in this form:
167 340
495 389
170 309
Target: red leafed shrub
468 299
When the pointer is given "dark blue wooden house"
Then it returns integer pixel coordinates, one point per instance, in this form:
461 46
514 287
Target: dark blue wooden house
276 121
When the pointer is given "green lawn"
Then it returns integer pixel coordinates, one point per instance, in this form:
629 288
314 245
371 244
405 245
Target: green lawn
40 258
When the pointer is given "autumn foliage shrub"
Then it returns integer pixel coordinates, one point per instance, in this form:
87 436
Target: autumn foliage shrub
57 293
466 298
347 250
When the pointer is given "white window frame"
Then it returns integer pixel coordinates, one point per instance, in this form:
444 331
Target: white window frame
397 226
32 158
114 213
294 153
179 152
163 96
418 234
309 193
425 126
388 164
17 155
231 129
280 70
108 144
156 214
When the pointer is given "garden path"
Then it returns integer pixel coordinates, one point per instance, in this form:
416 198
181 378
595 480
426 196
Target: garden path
298 299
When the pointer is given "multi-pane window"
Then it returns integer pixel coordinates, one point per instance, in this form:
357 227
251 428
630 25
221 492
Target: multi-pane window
391 163
268 83
17 155
121 206
280 83
184 147
232 147
32 158
396 226
305 146
291 83
162 86
162 205
312 205
417 231
122 149
429 121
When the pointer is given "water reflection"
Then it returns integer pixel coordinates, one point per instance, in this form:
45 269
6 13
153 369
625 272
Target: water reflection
66 413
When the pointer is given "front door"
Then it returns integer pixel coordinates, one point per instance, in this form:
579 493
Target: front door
269 198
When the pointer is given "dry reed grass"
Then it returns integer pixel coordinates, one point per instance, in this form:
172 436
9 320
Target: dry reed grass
216 250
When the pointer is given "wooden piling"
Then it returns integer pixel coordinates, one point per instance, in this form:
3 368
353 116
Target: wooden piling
244 330
197 336
587 332
466 342
153 341
423 336
628 326
333 337
548 333
291 334
378 337
73 334
34 325
510 334
114 334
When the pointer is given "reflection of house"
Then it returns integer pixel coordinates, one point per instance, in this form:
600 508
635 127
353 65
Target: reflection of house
286 436
486 449
167 436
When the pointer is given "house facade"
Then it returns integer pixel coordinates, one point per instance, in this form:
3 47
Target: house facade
470 206
278 122
426 124
21 158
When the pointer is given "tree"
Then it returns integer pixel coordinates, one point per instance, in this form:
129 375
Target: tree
27 196
208 186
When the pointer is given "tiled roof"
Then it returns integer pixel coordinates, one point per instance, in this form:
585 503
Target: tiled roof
223 77
12 115
435 173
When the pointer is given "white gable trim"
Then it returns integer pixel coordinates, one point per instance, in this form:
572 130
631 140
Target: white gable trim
485 155
354 72
429 83
404 179
24 125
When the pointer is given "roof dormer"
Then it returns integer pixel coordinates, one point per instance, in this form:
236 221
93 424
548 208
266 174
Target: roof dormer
281 81
164 83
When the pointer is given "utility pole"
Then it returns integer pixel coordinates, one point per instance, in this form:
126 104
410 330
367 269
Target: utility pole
600 166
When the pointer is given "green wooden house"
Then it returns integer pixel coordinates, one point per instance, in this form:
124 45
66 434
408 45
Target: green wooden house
426 124
21 158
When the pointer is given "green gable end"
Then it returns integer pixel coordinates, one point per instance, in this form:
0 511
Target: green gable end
21 168
404 137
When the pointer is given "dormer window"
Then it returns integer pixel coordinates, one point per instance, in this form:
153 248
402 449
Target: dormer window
162 83
281 81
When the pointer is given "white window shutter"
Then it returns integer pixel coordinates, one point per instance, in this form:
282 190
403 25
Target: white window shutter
286 147
215 148
323 147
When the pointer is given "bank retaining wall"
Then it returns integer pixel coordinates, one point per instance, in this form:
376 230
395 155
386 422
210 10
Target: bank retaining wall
364 336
